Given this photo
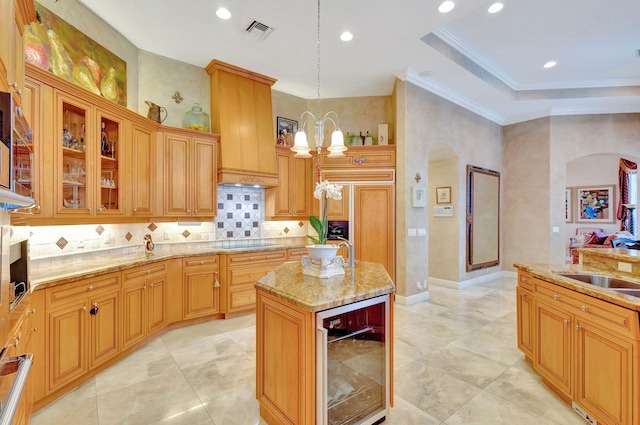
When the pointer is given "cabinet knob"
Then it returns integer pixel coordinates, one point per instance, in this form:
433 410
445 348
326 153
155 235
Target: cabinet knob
84 307
35 329
584 308
193 211
99 209
90 288
37 208
578 327
151 285
188 211
144 287
135 210
556 297
90 209
566 321
523 295
94 309
201 262
216 284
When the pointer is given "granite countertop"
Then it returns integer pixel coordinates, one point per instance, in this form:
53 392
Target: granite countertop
366 280
548 272
41 279
628 255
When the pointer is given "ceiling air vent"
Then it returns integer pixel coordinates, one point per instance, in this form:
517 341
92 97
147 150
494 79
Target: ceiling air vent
259 30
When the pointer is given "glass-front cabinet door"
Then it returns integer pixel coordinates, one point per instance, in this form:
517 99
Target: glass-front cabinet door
109 195
75 143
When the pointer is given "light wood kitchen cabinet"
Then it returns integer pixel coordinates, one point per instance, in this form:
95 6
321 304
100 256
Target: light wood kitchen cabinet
201 286
292 198
361 157
139 180
585 349
143 302
190 176
241 114
239 273
14 15
286 369
78 337
525 312
373 221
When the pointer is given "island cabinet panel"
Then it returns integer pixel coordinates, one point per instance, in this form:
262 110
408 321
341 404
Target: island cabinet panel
525 311
604 374
201 286
554 355
286 362
586 349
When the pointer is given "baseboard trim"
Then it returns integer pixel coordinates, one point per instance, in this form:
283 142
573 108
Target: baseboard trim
470 282
412 299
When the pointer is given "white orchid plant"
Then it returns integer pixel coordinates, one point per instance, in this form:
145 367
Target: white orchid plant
324 191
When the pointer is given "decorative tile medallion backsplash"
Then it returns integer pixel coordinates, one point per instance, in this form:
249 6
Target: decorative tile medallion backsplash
240 212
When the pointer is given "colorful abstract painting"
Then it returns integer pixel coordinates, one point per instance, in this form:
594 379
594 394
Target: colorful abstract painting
63 50
594 204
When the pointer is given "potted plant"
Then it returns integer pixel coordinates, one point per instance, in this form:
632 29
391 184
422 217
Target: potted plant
320 249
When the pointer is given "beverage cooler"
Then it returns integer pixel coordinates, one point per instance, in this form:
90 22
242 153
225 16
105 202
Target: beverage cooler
353 363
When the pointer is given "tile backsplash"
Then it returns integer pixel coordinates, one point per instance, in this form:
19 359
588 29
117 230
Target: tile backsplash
240 222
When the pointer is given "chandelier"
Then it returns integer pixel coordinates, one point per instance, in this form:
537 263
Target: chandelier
301 145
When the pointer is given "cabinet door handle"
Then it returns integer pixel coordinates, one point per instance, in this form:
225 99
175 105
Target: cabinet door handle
584 308
216 284
94 309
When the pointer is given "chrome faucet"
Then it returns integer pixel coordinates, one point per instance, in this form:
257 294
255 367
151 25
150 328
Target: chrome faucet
349 245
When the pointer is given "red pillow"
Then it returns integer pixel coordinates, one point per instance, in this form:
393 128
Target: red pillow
598 238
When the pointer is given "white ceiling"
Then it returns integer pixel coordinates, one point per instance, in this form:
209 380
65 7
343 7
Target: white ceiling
490 64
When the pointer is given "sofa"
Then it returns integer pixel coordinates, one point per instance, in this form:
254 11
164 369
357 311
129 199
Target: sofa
593 237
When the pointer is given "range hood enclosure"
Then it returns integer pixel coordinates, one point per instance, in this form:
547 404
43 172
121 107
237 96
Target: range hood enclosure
241 114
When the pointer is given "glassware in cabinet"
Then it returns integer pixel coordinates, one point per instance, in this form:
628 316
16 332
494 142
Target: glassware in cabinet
110 142
74 118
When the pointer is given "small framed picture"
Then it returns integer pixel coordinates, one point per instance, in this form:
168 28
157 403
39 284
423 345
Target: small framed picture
285 130
443 195
418 196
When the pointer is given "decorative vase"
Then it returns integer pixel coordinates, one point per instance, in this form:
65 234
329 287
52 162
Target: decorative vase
322 252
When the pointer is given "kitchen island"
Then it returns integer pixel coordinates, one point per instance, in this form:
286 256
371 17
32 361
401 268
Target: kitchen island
579 328
286 334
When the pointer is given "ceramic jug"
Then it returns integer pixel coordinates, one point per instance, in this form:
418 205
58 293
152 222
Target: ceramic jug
155 112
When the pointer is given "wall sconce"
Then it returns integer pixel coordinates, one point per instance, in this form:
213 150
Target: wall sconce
418 177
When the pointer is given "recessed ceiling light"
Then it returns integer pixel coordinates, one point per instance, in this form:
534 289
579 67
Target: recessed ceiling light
346 36
496 7
223 13
446 6
550 64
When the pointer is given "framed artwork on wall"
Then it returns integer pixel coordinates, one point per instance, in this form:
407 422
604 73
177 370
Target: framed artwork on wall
443 195
285 130
568 211
595 204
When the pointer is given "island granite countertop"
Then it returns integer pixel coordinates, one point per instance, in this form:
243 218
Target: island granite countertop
366 280
548 272
85 269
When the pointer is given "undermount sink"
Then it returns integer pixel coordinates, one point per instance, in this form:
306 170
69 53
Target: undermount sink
614 283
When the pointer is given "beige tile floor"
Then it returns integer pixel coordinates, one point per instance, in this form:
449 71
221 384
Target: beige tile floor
456 362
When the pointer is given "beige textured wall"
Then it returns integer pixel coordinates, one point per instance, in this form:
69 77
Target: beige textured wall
443 235
536 154
426 120
76 14
525 193
161 77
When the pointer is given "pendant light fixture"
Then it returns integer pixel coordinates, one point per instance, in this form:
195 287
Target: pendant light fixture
301 145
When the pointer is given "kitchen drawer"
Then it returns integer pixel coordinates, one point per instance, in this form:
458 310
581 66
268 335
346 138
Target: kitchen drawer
241 300
297 253
144 272
275 257
607 315
199 262
70 292
525 280
248 275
